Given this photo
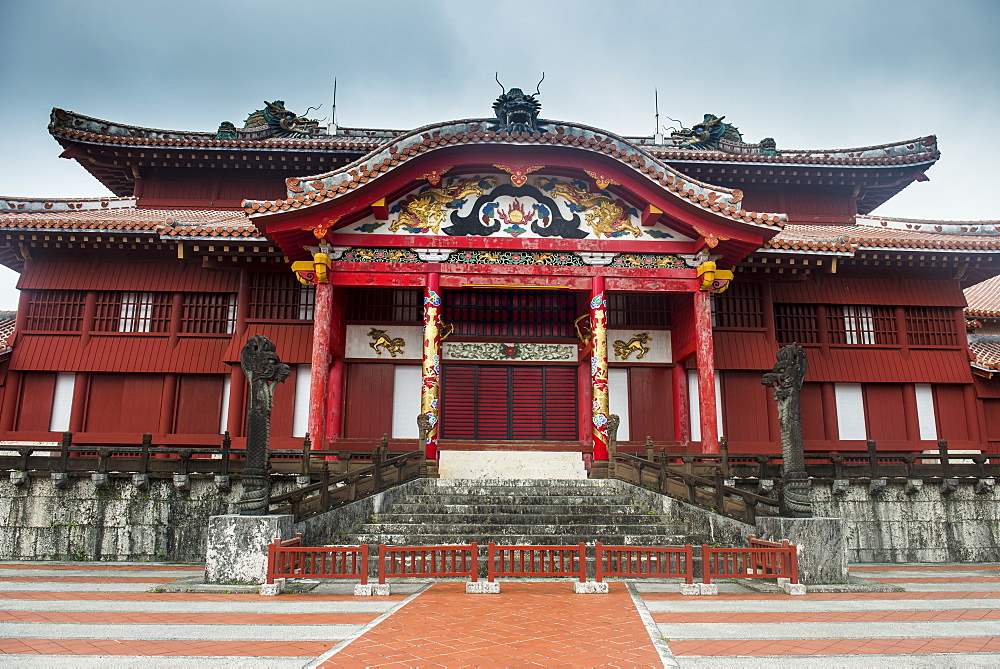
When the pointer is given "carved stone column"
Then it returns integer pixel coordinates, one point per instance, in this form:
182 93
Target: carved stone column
786 381
263 370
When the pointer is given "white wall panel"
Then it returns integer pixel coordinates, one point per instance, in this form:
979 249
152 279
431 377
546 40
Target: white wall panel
300 414
618 399
405 401
850 411
925 411
62 401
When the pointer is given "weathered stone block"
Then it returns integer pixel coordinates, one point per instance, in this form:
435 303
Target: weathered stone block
689 589
794 589
482 588
236 550
19 479
708 589
272 589
590 588
822 544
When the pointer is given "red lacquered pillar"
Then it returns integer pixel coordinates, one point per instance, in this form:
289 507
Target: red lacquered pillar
705 358
320 365
682 413
431 362
599 367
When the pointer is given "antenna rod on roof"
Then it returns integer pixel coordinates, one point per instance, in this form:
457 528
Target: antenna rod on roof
657 135
333 113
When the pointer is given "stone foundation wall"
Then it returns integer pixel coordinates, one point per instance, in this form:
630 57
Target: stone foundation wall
902 522
122 522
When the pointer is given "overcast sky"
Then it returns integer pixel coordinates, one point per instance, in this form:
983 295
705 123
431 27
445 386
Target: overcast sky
834 74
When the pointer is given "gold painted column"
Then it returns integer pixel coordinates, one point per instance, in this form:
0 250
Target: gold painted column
430 404
599 367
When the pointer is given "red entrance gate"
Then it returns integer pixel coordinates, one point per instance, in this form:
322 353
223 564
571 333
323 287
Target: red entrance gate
509 402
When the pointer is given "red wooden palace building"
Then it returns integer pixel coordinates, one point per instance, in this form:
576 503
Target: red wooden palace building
517 280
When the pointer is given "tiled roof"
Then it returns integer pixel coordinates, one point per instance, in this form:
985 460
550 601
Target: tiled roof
308 191
168 223
52 205
907 152
984 299
875 232
77 127
7 320
987 354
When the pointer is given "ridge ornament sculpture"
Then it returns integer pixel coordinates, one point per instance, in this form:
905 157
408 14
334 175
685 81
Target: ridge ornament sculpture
786 381
263 370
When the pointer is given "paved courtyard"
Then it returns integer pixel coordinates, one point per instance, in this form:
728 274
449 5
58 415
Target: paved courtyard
110 615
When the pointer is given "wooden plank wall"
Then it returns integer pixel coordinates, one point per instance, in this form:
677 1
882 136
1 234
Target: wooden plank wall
651 401
368 400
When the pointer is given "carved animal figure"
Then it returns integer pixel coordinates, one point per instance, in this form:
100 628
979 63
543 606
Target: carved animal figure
637 344
517 111
392 345
604 215
427 210
282 123
706 135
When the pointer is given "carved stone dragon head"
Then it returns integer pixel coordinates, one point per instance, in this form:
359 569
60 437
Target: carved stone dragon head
517 111
789 371
705 136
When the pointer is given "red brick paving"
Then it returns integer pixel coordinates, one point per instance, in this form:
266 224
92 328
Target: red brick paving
178 648
528 624
835 646
827 616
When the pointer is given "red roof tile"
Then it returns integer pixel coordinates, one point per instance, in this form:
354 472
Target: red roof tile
984 299
168 223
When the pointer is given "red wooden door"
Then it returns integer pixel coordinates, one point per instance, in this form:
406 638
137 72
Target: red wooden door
509 403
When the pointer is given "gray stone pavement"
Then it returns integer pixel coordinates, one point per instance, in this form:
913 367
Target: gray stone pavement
935 660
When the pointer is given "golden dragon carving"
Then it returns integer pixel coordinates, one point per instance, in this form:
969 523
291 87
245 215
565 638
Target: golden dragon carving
604 215
428 210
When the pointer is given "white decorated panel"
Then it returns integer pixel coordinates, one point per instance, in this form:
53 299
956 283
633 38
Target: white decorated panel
384 342
641 346
510 351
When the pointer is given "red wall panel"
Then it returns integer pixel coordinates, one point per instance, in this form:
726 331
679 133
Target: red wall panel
368 405
199 404
189 277
875 290
812 412
949 408
35 410
884 411
283 413
743 350
651 400
746 407
124 403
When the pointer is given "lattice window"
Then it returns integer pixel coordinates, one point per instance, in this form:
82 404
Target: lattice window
209 313
546 314
386 305
56 310
741 306
280 296
133 312
864 325
931 326
796 323
638 310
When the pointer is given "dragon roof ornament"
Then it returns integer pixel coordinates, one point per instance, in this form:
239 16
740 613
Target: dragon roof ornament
517 111
711 134
271 121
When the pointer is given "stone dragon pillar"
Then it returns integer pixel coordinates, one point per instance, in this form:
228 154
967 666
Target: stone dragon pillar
786 381
263 370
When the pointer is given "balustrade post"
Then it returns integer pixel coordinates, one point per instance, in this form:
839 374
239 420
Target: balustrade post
872 459
945 461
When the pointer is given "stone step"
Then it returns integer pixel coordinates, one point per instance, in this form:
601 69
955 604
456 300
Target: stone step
527 516
420 507
513 540
552 529
516 499
479 489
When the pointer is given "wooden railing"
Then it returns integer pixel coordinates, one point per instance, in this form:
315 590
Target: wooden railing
75 458
761 559
643 562
707 493
335 491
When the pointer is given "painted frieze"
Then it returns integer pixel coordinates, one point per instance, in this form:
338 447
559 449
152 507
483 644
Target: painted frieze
490 257
517 204
511 351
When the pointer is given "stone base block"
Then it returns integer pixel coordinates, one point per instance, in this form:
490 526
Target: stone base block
794 589
372 590
689 589
822 544
482 588
236 551
590 588
511 465
272 589
708 589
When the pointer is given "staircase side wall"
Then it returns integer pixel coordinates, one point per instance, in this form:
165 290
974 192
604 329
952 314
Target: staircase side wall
327 528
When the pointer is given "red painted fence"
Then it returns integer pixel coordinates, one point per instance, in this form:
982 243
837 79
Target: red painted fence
644 562
762 559
428 561
523 561
752 562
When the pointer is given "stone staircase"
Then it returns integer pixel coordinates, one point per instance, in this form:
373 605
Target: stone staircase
539 512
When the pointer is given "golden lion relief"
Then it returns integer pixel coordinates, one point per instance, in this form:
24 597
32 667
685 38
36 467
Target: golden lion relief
393 346
637 344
